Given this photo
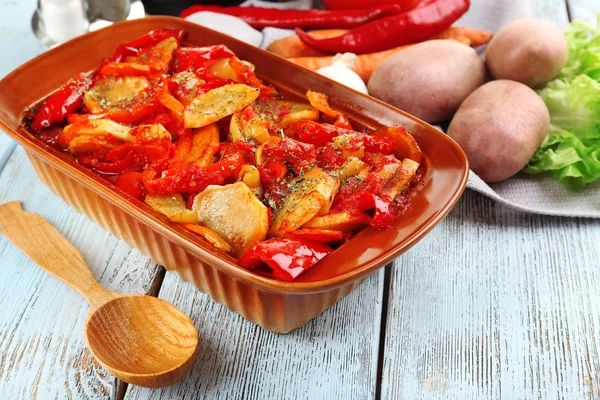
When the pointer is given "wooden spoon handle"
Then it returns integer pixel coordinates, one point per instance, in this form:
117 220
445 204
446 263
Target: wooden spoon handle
39 240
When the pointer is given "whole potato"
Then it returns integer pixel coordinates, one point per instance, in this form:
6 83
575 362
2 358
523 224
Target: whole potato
531 51
499 127
428 80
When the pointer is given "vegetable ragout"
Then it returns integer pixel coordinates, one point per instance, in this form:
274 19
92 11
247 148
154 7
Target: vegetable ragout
199 138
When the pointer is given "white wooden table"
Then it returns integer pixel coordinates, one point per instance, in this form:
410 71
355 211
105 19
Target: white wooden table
491 304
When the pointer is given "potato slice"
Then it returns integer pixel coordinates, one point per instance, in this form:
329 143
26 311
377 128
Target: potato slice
309 196
341 221
218 103
400 180
352 167
114 93
91 135
255 129
173 207
234 213
205 143
284 113
222 69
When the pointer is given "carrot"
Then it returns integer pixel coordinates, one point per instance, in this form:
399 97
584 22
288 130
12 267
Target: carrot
469 36
364 65
291 46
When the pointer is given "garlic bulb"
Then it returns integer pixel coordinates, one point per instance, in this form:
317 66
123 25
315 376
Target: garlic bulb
340 72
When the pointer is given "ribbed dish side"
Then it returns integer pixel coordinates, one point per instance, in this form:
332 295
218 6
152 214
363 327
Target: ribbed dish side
276 312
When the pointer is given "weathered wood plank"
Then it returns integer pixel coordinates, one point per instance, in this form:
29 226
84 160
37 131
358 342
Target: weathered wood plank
494 304
332 357
42 348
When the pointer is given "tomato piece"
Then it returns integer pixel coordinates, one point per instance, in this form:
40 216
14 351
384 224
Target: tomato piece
132 183
272 172
125 69
298 155
313 132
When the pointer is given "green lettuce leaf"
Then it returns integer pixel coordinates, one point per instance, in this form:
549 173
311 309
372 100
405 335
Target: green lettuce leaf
571 151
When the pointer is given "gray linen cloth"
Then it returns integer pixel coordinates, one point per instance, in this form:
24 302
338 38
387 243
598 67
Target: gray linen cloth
530 193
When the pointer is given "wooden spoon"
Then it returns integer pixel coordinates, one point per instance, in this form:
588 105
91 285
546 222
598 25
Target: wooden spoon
140 339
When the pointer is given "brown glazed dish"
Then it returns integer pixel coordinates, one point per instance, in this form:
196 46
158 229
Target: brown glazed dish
277 306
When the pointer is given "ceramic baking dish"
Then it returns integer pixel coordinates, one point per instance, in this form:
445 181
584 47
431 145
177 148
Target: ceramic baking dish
276 306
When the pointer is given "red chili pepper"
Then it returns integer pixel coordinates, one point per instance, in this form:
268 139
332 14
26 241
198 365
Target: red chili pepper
362 4
132 183
148 40
362 201
425 21
299 156
287 257
259 17
62 103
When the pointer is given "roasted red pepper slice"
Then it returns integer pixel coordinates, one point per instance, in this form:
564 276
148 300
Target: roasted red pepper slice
99 163
192 179
360 202
145 41
143 106
260 17
428 19
198 58
62 103
132 183
153 152
299 156
287 257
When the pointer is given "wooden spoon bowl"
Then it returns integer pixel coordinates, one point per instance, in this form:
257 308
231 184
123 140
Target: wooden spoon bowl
140 339
143 340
